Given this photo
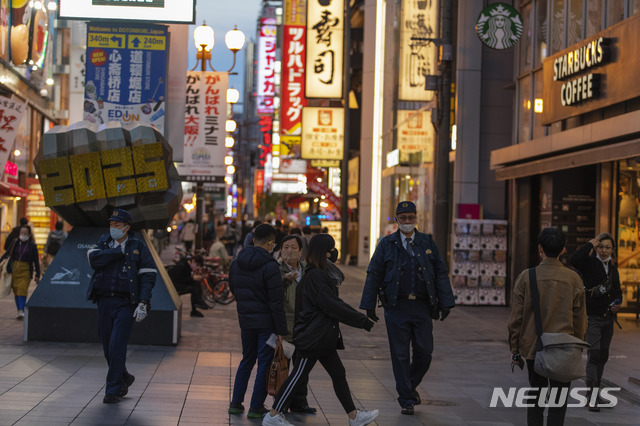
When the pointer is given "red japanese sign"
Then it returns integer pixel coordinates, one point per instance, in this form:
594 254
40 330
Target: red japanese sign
293 63
11 111
266 127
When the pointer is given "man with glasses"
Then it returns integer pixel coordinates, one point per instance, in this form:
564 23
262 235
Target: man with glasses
408 275
604 296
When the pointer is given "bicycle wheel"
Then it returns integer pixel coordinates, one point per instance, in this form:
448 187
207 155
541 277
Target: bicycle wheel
207 294
222 292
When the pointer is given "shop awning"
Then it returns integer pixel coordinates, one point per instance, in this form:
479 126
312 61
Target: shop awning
11 190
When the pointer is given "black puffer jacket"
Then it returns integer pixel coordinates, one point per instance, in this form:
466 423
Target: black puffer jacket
319 310
255 281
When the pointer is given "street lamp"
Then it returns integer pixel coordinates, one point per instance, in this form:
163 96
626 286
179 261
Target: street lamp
204 39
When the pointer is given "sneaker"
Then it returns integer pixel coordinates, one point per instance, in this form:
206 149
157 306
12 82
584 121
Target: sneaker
196 314
127 381
236 408
111 399
257 413
278 420
20 314
364 417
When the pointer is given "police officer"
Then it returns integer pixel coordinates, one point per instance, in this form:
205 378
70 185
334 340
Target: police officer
123 277
408 274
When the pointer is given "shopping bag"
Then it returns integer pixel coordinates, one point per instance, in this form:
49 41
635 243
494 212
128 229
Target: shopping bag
279 370
6 279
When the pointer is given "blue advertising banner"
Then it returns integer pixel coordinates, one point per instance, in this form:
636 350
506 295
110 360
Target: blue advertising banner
126 74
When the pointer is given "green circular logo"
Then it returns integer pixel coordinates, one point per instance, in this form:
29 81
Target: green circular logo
499 26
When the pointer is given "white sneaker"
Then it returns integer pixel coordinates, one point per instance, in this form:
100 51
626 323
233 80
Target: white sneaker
278 420
363 417
20 314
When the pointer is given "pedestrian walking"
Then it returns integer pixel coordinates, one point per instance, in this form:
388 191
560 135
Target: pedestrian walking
15 232
188 234
411 279
255 281
562 310
54 242
291 269
23 261
319 310
594 261
124 275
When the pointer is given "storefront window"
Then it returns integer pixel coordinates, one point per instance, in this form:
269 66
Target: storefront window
538 106
524 110
615 12
635 7
574 32
594 17
542 30
628 241
557 26
525 41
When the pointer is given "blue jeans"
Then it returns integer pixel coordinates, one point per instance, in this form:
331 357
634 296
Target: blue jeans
115 320
254 346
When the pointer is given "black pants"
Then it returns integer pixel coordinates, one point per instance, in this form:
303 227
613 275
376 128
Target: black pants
115 320
599 335
535 415
300 374
192 287
299 395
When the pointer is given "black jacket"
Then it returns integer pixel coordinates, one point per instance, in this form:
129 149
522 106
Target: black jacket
255 281
319 310
593 274
32 258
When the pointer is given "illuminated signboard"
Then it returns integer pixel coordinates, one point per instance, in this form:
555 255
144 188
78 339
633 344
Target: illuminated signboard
266 66
178 11
415 134
418 24
325 44
322 133
11 111
293 62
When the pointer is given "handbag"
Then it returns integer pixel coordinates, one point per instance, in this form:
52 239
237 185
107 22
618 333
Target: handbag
6 279
279 370
558 355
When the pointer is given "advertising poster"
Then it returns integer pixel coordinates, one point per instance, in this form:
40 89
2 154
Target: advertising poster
126 74
11 111
266 66
293 64
418 24
325 45
415 134
204 126
322 133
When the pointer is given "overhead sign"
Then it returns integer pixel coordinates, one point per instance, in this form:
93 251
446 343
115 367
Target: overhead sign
325 45
126 74
499 26
204 126
418 28
178 11
322 133
266 66
415 134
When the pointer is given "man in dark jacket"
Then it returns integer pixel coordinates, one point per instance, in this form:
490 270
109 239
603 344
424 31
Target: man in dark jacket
255 281
604 296
408 272
124 275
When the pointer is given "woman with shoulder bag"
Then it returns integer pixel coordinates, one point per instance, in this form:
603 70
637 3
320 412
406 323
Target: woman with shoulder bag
317 336
23 261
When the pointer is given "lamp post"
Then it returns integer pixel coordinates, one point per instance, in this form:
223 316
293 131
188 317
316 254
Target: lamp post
204 39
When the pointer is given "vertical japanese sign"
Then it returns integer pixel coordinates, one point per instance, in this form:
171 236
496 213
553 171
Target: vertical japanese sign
204 126
418 24
126 74
322 133
293 63
325 45
266 66
415 134
266 127
11 111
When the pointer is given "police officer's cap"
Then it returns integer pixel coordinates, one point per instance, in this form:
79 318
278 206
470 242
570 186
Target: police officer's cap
120 215
405 206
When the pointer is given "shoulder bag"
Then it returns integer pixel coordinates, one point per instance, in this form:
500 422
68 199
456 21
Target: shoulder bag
279 370
558 355
6 278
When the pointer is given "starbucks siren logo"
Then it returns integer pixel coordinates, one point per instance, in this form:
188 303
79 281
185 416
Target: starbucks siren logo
499 26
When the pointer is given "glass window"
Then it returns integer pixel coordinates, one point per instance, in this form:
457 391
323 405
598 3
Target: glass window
525 40
615 12
574 32
557 26
594 17
542 32
635 7
538 128
524 110
628 196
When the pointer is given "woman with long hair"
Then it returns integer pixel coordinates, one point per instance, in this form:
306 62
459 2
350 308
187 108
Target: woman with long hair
317 336
23 261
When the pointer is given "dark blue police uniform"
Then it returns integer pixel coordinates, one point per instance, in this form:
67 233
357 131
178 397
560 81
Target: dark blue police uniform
124 275
415 283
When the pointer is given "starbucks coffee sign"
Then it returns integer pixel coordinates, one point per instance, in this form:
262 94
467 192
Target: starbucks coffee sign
499 26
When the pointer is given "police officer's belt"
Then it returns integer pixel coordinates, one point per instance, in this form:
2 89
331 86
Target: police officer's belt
412 297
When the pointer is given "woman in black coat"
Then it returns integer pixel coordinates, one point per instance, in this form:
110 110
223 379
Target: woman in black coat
23 262
317 336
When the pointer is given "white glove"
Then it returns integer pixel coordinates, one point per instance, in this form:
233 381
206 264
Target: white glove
141 312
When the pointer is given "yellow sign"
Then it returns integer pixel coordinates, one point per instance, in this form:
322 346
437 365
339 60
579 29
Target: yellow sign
141 42
106 40
322 133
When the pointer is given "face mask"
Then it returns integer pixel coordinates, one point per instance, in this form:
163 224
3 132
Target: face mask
333 255
24 238
116 233
406 227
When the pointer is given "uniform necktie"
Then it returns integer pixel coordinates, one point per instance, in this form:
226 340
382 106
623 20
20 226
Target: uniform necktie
409 248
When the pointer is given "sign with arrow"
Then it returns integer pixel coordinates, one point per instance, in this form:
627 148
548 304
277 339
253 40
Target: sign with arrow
126 74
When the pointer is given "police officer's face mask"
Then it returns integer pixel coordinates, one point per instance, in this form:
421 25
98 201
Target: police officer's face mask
117 233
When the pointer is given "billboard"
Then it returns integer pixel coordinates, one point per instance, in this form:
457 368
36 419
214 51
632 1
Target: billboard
325 45
266 84
322 133
178 11
293 68
415 134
